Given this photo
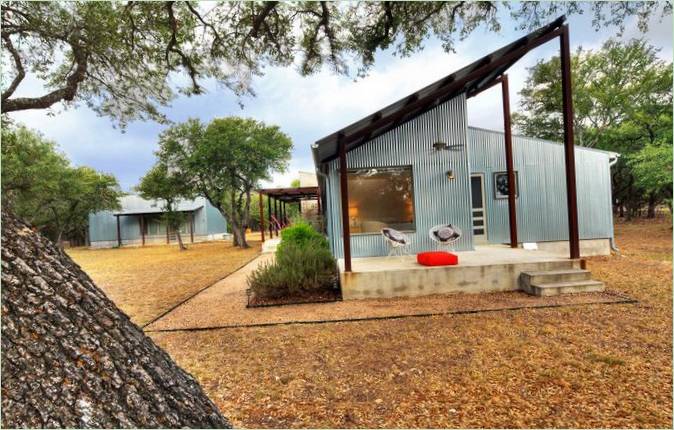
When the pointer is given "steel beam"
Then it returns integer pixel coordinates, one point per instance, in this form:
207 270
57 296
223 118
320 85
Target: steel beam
569 155
344 190
510 165
260 204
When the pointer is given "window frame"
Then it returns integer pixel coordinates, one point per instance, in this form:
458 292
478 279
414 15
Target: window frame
414 203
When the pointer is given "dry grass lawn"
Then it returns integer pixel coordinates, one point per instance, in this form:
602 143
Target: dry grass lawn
587 366
147 281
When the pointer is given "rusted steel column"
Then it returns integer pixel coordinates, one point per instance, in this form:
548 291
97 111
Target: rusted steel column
168 240
271 232
569 156
510 164
119 236
344 190
276 217
260 197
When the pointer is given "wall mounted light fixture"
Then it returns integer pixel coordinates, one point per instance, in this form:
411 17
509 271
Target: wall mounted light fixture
450 174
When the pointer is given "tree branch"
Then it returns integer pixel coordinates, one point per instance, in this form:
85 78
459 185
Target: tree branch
259 19
173 47
65 93
20 72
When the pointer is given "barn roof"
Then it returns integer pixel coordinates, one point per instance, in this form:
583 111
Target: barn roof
135 205
471 79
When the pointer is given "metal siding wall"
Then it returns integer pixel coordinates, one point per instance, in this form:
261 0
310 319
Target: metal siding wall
216 223
437 200
541 204
102 226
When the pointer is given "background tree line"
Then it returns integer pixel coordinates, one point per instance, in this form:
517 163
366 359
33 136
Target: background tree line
43 188
622 99
223 161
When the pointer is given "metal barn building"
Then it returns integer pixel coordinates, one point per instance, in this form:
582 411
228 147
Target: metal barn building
469 200
415 165
139 223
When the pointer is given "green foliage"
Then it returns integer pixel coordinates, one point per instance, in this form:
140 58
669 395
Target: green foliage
163 185
40 185
117 57
225 161
299 268
652 167
301 234
295 183
622 97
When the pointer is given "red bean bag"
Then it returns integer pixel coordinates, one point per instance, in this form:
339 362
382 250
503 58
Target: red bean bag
437 258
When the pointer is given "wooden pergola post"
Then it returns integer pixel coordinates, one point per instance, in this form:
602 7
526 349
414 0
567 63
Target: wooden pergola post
168 240
276 217
344 191
271 223
510 165
569 155
261 215
119 235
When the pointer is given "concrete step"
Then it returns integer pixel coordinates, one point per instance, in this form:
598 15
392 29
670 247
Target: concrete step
553 276
556 288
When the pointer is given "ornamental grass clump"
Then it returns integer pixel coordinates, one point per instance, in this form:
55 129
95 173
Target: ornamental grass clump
304 266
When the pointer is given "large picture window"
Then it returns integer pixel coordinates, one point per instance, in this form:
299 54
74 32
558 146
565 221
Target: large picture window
381 197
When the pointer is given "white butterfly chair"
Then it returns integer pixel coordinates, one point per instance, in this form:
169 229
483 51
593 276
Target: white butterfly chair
445 235
396 241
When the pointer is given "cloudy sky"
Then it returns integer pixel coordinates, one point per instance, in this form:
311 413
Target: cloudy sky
312 107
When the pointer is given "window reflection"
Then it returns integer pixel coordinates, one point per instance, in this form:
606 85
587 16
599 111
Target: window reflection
381 197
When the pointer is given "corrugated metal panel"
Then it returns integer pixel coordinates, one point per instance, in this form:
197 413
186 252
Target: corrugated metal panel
436 199
541 205
103 225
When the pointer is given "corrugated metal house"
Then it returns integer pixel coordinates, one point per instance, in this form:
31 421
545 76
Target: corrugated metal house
139 222
416 164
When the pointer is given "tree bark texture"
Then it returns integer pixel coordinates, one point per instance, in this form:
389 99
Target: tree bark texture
71 358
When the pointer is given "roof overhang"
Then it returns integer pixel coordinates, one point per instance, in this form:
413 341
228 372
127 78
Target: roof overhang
294 194
155 212
472 79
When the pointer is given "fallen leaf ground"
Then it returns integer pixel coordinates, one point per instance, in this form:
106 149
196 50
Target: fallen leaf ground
586 366
147 281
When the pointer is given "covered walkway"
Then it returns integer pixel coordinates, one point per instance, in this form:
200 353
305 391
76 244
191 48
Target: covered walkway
277 201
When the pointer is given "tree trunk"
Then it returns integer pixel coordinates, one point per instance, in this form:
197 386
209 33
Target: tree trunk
181 245
652 203
71 358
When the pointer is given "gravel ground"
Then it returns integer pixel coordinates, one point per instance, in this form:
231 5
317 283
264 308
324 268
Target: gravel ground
224 305
571 367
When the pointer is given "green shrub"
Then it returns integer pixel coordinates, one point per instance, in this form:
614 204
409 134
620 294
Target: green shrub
299 268
301 233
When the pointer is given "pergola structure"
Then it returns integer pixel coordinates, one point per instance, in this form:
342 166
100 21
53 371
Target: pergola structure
471 80
276 212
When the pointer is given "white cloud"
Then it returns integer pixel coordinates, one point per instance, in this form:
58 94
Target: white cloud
308 108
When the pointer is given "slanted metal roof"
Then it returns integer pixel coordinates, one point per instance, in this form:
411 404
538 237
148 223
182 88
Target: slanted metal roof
135 205
291 194
471 79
